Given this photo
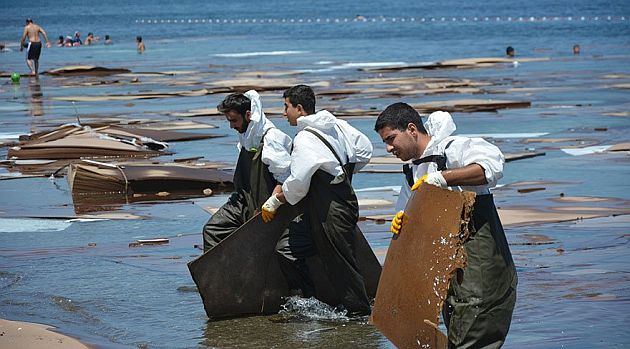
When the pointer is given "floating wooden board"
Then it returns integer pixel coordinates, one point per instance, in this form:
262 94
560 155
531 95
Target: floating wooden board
86 70
419 265
241 276
90 177
470 105
143 95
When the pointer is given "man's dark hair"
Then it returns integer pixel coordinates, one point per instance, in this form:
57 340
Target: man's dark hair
301 94
29 20
237 102
139 38
397 116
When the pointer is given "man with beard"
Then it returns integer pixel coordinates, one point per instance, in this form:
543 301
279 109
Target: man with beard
262 165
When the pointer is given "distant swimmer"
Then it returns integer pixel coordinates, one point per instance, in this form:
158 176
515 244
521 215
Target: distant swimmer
108 40
90 39
76 41
34 46
140 44
60 41
509 51
576 49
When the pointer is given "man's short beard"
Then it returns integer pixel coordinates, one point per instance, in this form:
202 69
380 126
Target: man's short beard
244 126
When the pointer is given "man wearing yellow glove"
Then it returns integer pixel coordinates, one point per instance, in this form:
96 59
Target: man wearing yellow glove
262 165
480 301
326 152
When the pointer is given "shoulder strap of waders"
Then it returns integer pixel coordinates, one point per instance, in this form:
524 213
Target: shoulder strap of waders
321 138
440 160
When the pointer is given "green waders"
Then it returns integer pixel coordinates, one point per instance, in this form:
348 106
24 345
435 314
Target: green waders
254 184
326 228
481 297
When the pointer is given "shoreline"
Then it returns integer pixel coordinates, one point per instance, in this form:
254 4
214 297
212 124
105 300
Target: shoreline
29 335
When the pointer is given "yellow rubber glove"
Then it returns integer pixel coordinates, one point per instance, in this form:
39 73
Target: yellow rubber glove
269 208
417 184
397 222
433 178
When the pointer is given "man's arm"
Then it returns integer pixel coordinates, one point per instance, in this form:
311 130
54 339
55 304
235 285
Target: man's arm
41 30
470 175
23 40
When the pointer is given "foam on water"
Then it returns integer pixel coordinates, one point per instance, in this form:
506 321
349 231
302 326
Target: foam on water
506 135
20 225
586 150
257 54
311 309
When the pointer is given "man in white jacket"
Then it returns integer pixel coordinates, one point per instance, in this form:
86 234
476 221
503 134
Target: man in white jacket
262 166
481 297
326 152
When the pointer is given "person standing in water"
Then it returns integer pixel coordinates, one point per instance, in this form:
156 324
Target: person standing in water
481 297
140 44
34 46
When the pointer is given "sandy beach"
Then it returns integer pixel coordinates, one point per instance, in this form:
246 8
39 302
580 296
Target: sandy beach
26 335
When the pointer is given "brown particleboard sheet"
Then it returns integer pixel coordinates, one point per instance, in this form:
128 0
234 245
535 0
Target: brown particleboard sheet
143 95
520 156
619 147
454 63
91 177
241 276
73 142
80 147
86 70
470 105
419 265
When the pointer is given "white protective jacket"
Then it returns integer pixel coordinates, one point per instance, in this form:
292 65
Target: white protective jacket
276 145
310 154
461 152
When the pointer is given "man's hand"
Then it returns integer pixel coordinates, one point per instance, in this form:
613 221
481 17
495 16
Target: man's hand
397 222
434 178
269 208
48 45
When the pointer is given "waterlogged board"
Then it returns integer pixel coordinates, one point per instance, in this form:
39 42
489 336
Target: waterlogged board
241 276
419 265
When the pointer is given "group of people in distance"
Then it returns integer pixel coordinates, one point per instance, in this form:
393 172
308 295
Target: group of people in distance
316 167
33 45
70 41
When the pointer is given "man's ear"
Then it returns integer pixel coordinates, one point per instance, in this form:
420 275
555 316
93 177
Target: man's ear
300 109
411 127
248 116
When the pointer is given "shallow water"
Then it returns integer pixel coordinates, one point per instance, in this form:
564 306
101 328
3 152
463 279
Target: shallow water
85 279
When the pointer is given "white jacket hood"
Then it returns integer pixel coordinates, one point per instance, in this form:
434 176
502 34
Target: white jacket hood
258 123
439 125
357 147
322 120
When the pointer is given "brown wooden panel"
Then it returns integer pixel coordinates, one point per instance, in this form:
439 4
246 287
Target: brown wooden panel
419 265
241 276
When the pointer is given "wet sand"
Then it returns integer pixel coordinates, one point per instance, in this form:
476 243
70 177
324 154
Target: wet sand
27 335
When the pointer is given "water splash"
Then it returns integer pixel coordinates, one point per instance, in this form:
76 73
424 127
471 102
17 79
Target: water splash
311 309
